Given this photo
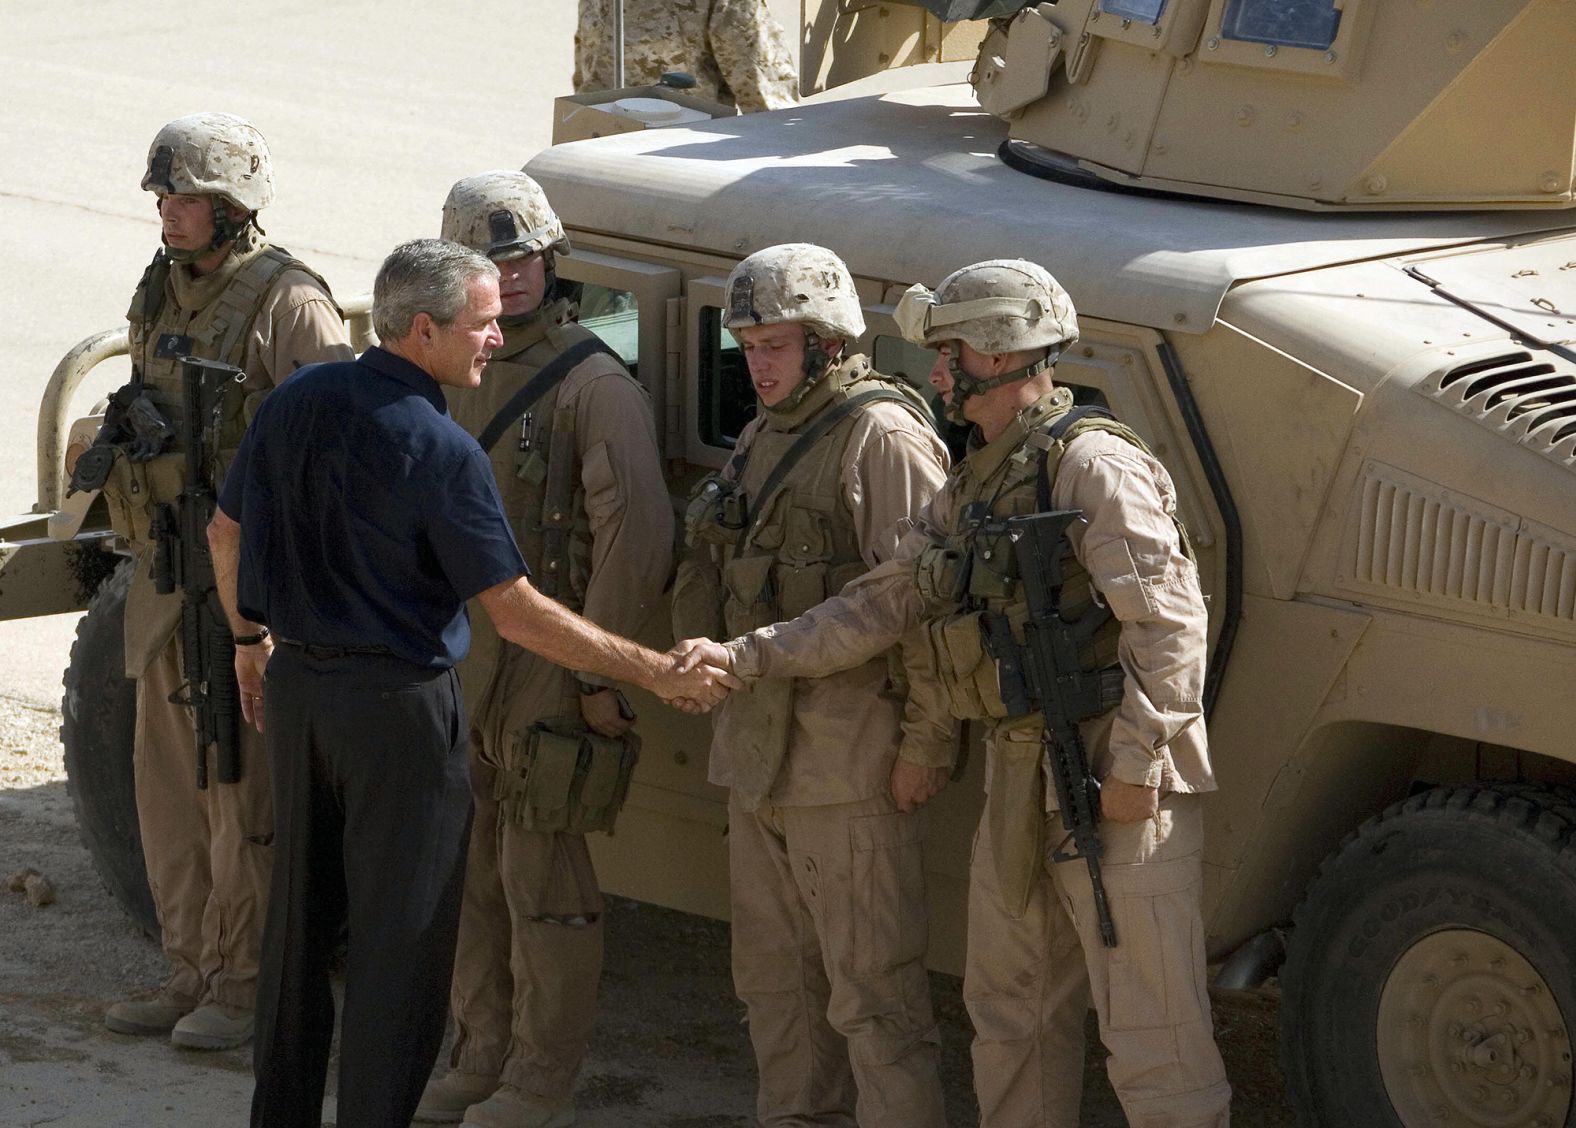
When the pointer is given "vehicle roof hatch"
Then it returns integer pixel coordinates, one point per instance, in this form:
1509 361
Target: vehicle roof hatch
1528 288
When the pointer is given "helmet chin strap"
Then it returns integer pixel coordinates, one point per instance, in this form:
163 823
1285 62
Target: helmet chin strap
964 385
817 363
225 231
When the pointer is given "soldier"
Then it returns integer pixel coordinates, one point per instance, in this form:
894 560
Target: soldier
734 48
218 291
825 866
581 481
1035 954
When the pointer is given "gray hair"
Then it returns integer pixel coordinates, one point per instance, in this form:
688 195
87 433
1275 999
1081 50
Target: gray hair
430 276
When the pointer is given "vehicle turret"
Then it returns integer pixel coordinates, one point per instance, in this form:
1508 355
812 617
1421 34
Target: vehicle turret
1313 104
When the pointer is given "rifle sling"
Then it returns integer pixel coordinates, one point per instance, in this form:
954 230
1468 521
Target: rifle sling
802 445
551 375
1042 477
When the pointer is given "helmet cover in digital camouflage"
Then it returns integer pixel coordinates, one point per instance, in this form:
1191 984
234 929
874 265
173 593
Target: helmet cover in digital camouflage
797 283
211 154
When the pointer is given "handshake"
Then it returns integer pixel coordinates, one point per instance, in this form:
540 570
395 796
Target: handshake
697 676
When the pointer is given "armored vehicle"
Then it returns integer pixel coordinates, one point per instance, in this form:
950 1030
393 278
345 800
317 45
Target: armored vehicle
1325 265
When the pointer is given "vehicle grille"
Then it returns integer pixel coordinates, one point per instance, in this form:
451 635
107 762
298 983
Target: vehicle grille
1416 537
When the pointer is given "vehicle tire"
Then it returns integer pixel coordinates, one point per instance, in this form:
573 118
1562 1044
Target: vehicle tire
1429 979
98 719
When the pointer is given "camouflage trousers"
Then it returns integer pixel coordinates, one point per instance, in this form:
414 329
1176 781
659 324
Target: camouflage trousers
829 936
208 852
529 954
1029 983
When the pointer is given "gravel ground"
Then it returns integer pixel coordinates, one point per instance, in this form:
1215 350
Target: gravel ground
671 1050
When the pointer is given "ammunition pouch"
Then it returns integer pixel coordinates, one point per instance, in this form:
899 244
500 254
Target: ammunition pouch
557 776
964 666
135 490
697 600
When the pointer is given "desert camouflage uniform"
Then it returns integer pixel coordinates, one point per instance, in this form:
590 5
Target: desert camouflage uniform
531 937
206 850
1035 959
734 48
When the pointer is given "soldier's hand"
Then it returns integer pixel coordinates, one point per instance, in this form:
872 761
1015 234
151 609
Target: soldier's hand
250 662
605 714
693 651
1127 802
691 687
913 785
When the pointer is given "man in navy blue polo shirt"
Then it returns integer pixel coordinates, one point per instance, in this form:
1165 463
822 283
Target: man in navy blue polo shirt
356 520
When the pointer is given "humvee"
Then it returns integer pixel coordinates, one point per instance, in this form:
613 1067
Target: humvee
1325 264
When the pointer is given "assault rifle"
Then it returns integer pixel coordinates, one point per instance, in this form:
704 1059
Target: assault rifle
181 559
1053 666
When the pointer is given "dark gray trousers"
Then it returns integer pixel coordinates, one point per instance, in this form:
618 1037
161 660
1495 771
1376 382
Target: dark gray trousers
372 812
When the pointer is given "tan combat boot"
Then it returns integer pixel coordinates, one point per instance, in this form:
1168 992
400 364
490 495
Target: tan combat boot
511 1108
157 1015
445 1099
213 1026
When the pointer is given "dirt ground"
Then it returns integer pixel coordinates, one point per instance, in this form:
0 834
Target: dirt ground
671 1050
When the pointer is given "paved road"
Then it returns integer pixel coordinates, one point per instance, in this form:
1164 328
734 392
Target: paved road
364 152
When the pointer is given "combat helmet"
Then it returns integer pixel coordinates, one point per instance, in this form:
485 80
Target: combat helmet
504 215
997 306
802 284
217 155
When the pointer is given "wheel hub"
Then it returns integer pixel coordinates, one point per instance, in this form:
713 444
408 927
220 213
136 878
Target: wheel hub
1469 1033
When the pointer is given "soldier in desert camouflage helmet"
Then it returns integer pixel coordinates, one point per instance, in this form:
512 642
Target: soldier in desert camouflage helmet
217 290
734 48
581 481
1036 958
824 803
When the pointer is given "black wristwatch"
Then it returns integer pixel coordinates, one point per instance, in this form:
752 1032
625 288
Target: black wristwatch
251 639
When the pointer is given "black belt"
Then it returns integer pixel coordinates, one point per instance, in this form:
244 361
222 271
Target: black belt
313 651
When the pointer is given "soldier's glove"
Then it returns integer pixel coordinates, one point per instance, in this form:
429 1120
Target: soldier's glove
150 431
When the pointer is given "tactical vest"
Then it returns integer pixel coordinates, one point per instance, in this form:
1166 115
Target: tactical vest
161 331
785 541
546 500
783 553
969 581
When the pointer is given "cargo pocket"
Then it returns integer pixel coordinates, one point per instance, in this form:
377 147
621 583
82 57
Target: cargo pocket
889 891
1151 973
1113 572
603 499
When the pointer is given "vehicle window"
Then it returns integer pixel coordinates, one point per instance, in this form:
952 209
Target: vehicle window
1283 23
613 315
1144 11
727 401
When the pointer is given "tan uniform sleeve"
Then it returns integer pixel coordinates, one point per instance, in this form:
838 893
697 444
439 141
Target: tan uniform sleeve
299 326
1129 543
870 615
752 55
626 503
